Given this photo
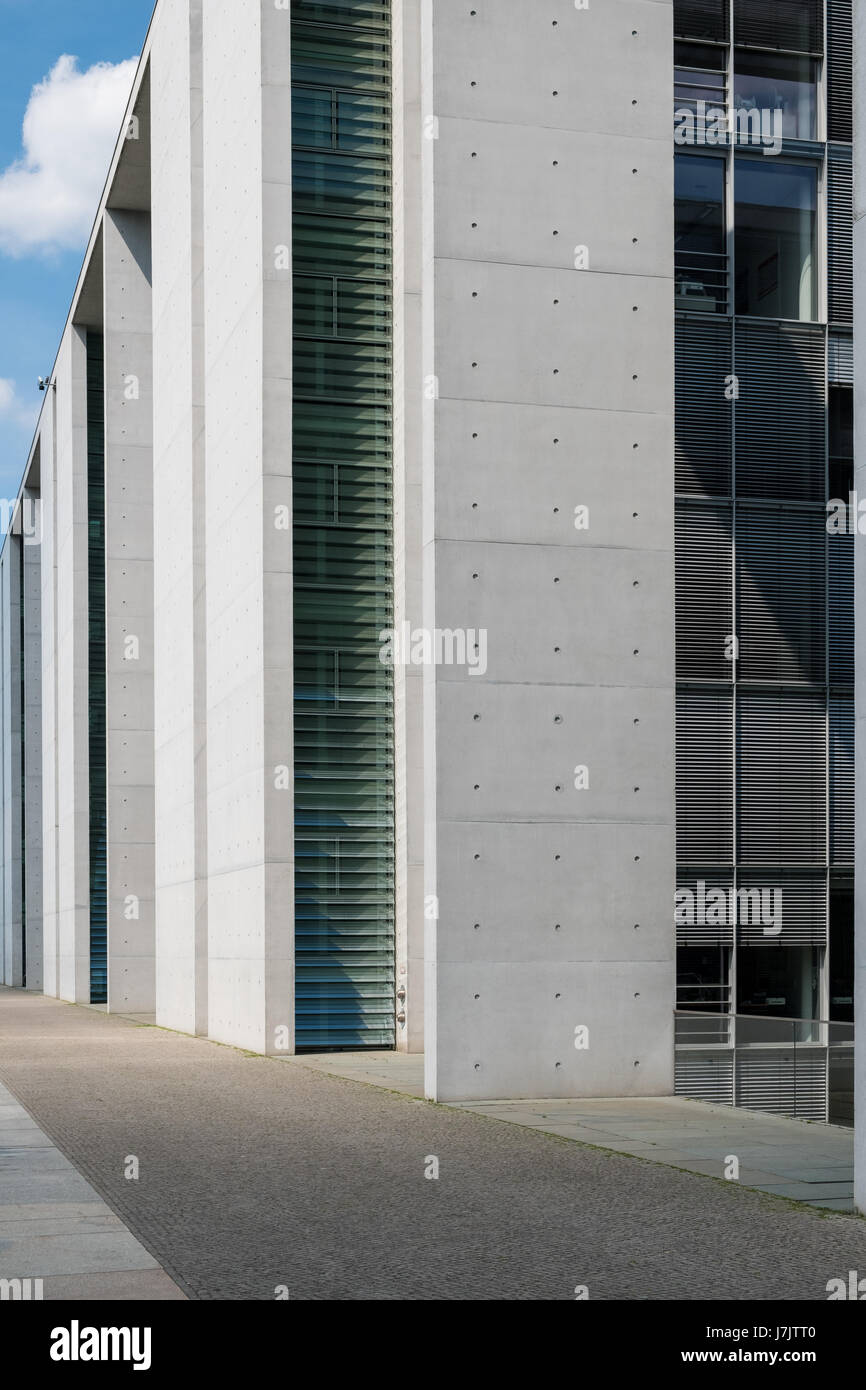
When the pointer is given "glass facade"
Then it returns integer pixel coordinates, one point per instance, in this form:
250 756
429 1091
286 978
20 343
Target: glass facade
343 561
700 254
779 82
96 665
765 626
774 239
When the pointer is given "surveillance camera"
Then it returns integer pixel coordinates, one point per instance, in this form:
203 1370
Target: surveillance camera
42 383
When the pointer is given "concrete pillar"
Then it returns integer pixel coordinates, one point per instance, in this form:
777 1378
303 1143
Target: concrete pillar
407 139
31 535
180 650
548 545
247 260
129 610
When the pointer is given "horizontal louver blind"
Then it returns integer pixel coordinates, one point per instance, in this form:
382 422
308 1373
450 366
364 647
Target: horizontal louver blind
704 614
351 247
840 234
795 903
841 780
791 24
703 414
781 589
840 359
710 927
783 1082
704 780
701 19
358 14
782 761
781 410
840 569
343 504
97 667
707 1076
839 54
327 183
347 59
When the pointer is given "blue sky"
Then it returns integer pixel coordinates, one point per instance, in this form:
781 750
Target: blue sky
47 196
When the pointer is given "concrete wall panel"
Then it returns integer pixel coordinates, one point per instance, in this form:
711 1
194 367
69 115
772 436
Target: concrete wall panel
553 390
247 206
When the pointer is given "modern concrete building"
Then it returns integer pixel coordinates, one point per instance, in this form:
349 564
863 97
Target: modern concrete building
344 682
765 553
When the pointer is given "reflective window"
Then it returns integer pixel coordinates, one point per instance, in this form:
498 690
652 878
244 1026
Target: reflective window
774 244
699 76
841 440
793 25
777 982
703 978
777 82
700 260
842 955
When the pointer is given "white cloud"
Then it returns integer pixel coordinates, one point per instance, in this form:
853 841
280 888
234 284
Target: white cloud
49 197
13 409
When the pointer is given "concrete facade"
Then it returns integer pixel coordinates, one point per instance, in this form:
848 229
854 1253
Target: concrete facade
534 862
129 610
549 797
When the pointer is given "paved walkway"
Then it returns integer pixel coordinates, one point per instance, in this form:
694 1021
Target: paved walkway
257 1175
55 1229
810 1163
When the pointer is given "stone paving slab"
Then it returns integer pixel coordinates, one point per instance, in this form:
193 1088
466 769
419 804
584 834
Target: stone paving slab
120 1286
47 1160
395 1071
55 1227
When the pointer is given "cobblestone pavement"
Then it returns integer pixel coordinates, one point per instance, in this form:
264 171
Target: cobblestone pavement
257 1173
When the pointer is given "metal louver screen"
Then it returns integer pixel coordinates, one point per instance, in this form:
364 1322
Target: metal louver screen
788 24
707 1076
787 1082
781 594
701 19
841 780
96 666
704 592
781 410
839 74
703 414
708 931
782 760
704 779
801 900
840 574
357 13
343 563
840 235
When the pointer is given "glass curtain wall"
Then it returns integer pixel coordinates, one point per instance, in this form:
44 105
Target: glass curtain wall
96 665
343 563
764 593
